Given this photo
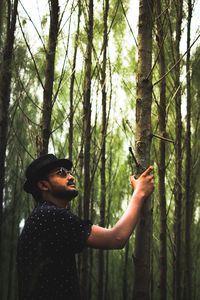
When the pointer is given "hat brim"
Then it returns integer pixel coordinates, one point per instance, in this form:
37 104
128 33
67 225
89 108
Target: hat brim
29 185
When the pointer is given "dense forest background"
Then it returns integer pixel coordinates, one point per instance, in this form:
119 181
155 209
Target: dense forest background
88 80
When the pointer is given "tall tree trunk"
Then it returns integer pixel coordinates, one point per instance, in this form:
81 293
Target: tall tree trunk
49 78
5 90
125 285
103 151
87 133
188 212
91 250
87 111
80 207
161 163
71 117
109 195
178 156
13 239
143 143
2 14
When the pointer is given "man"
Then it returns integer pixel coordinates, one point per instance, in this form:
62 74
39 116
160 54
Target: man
53 234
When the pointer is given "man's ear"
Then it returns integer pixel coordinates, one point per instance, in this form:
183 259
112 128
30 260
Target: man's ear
43 185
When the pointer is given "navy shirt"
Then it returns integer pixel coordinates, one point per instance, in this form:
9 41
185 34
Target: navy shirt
46 253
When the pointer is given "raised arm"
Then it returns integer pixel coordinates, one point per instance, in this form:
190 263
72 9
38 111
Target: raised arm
116 237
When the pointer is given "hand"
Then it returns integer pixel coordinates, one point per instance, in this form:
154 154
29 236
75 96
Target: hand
144 184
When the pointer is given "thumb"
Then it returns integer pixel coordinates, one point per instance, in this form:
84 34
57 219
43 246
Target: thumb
133 180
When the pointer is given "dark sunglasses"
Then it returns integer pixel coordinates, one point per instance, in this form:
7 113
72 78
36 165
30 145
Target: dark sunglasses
62 172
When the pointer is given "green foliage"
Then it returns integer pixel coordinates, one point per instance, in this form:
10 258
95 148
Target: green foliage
24 125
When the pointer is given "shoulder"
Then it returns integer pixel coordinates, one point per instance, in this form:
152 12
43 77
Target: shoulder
47 208
48 212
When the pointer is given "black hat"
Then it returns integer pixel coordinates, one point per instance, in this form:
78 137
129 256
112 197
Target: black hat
39 167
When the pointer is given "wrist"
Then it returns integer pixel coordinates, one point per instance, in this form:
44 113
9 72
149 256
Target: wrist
139 194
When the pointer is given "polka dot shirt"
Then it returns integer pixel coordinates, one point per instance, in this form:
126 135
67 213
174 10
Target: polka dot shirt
46 253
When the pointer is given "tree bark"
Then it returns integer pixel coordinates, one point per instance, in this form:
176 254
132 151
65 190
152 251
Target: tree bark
71 117
2 15
14 225
80 209
5 90
108 213
161 162
188 199
125 284
87 111
143 136
103 151
49 78
178 157
87 134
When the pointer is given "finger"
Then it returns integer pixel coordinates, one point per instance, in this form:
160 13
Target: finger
151 177
132 178
148 171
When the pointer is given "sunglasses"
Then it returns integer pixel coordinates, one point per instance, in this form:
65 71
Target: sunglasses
62 172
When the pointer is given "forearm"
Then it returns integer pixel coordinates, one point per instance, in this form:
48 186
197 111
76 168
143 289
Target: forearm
125 226
117 236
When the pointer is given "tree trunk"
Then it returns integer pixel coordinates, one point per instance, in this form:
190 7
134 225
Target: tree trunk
143 142
161 163
87 133
91 250
87 111
188 212
178 156
125 285
49 78
71 117
103 152
80 209
5 89
109 195
2 14
14 225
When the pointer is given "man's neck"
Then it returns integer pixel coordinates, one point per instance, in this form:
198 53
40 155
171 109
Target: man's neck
58 202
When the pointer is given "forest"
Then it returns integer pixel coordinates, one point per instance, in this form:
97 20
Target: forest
113 86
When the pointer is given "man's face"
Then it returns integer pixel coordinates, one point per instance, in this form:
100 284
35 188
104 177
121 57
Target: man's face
61 184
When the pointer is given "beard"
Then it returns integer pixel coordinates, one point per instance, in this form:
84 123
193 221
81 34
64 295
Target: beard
65 194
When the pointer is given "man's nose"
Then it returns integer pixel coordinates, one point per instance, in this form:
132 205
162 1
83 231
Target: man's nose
70 176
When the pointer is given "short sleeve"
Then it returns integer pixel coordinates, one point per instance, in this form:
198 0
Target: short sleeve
74 230
65 231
